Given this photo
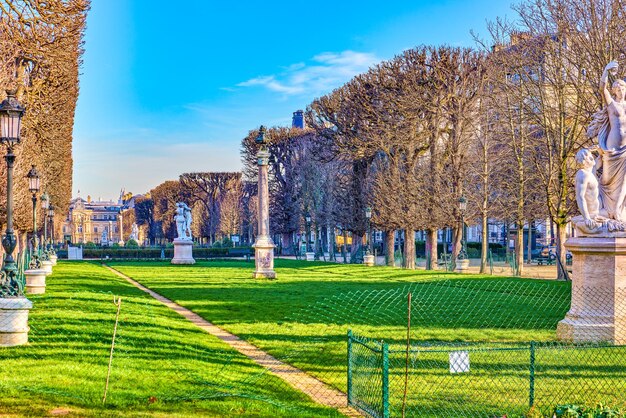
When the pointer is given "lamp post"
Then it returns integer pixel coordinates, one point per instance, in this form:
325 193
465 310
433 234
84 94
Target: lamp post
51 219
11 112
368 217
13 305
462 262
33 186
368 258
264 246
45 204
307 219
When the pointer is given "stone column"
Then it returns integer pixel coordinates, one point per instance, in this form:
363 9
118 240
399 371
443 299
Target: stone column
598 307
264 246
121 219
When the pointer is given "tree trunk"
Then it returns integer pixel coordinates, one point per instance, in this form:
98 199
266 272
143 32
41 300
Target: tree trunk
561 236
431 249
331 243
287 243
357 243
519 249
457 237
409 249
390 241
344 247
484 248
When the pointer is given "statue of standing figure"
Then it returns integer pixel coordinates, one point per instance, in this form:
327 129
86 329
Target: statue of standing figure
183 221
609 126
134 233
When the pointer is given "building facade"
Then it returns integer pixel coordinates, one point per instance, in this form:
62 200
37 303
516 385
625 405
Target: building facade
99 222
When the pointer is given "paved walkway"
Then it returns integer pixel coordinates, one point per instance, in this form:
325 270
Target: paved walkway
317 390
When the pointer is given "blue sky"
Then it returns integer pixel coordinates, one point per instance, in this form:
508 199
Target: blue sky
172 87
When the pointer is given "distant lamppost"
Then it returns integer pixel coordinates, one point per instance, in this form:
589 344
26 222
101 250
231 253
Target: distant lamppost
33 186
462 209
368 216
45 204
11 112
264 246
307 218
51 218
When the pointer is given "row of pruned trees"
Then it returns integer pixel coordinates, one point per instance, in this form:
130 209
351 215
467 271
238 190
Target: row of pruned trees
222 205
498 124
40 55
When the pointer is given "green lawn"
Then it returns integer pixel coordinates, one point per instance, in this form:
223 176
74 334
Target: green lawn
162 365
303 318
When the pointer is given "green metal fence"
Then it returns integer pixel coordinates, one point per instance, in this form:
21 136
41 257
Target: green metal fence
489 380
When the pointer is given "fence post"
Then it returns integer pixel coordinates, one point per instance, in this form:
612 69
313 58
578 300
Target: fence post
349 367
385 380
531 400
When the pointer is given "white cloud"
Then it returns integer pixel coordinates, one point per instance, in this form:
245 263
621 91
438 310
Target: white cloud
326 71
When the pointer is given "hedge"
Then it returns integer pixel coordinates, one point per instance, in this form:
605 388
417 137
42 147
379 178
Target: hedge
155 253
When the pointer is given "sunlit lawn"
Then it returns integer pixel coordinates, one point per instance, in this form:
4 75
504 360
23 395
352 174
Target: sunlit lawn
304 315
162 364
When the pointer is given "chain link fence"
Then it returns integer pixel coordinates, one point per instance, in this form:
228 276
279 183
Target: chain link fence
490 380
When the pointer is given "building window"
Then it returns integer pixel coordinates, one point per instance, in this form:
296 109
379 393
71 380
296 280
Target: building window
95 229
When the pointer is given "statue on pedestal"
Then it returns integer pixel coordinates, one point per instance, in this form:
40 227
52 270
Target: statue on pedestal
183 221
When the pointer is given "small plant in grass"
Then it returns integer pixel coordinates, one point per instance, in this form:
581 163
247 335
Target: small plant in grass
576 411
533 412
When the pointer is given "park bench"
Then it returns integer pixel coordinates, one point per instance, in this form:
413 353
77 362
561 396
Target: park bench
548 261
443 260
240 252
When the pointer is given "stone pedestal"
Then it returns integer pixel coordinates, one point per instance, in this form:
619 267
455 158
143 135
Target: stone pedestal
598 308
264 258
462 266
183 252
309 256
35 281
368 260
53 258
46 265
14 321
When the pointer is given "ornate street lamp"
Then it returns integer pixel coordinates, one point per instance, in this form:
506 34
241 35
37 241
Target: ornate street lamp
14 306
264 246
368 216
33 186
462 209
307 218
11 112
45 204
51 217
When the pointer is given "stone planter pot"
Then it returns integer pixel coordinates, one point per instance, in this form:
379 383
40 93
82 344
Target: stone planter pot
35 281
462 265
46 265
310 256
368 260
53 258
14 321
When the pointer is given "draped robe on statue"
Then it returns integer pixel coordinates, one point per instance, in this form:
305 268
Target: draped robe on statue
613 179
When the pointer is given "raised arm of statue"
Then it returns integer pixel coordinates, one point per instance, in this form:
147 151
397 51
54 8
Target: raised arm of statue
611 67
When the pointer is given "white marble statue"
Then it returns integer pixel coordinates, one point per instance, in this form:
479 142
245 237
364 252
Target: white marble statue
183 221
601 201
134 233
609 126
